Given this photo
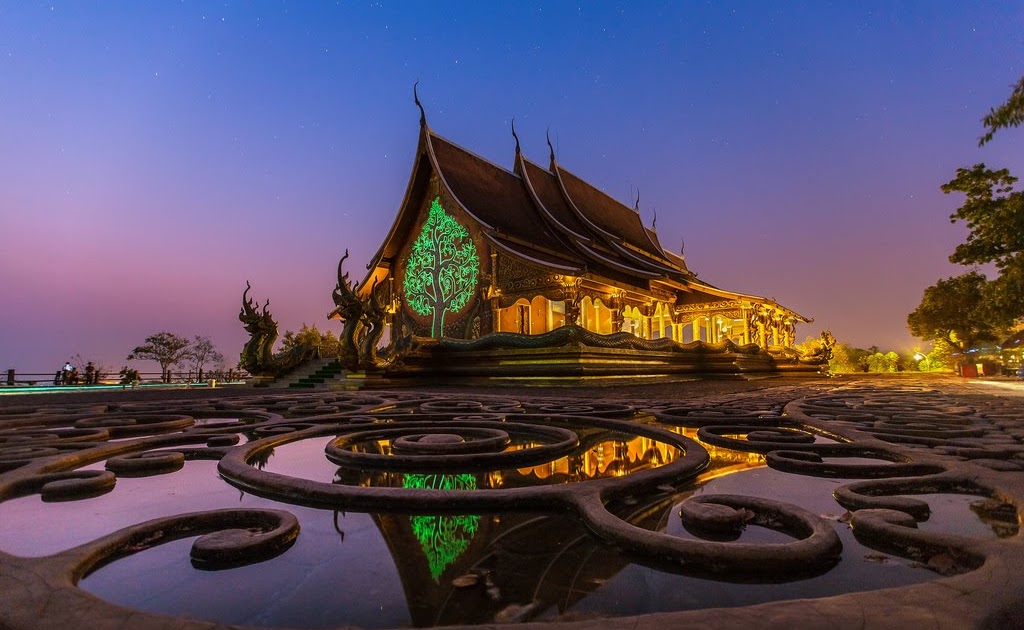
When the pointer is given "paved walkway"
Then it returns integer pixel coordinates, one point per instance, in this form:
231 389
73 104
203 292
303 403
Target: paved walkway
898 440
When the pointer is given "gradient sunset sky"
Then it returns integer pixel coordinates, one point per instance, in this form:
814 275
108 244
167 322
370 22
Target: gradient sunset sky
155 155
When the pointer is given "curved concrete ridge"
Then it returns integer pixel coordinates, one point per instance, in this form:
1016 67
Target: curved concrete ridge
815 546
236 470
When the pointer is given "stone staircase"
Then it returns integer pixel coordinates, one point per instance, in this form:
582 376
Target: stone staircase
315 374
307 376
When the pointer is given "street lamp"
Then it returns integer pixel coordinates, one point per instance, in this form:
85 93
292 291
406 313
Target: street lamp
920 356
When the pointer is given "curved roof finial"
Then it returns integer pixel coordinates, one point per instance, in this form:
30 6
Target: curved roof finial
550 148
636 206
514 134
416 97
654 223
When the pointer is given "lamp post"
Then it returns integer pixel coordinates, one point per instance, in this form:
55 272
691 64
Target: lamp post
919 356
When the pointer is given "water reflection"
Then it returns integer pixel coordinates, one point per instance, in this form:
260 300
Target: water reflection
601 454
490 563
442 538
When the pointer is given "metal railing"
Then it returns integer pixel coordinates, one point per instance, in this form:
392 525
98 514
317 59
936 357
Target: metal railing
12 378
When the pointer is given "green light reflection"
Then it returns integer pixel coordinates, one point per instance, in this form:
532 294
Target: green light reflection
442 538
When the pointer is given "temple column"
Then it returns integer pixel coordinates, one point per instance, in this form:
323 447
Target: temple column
696 329
495 310
495 315
746 327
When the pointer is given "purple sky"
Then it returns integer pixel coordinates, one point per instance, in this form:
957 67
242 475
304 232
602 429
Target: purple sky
155 156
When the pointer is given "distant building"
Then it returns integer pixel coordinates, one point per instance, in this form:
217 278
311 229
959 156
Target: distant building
1012 352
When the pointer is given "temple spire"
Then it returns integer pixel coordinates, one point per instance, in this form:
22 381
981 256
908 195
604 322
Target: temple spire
416 98
551 149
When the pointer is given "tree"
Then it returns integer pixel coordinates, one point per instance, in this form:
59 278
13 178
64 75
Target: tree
1009 114
994 214
888 362
311 337
202 352
956 311
442 268
165 348
842 362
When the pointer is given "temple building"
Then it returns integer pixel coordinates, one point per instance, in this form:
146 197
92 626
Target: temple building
478 249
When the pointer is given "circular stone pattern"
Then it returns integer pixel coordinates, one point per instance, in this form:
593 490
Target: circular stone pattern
466 441
432 445
122 425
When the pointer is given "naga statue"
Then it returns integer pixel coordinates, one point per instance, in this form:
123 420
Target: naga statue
349 307
825 352
258 356
258 353
373 327
364 325
812 352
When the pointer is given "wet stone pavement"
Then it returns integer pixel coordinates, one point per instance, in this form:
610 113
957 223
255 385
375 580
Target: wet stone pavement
838 503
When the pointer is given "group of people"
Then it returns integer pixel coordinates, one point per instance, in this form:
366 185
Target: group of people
69 375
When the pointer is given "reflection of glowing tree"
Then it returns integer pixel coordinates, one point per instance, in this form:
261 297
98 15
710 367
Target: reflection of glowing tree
443 538
441 271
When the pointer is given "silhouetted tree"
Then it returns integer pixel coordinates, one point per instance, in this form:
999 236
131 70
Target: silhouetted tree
1009 114
165 348
202 351
994 214
955 311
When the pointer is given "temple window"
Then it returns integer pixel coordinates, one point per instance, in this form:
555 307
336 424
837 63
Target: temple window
538 315
515 318
587 317
556 314
602 318
632 321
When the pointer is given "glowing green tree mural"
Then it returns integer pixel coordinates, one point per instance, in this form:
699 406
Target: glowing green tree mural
442 538
442 268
